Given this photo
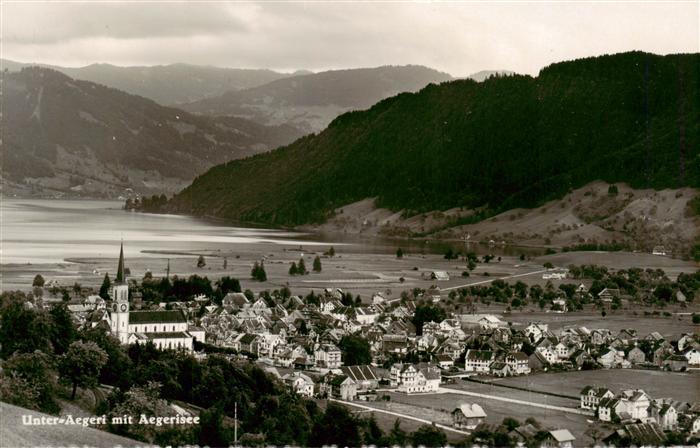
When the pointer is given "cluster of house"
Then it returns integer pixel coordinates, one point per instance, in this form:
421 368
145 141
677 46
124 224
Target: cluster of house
635 408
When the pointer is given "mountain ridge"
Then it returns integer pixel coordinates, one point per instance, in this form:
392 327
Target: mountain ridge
513 141
67 135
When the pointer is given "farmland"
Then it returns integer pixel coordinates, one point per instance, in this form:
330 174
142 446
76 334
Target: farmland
680 386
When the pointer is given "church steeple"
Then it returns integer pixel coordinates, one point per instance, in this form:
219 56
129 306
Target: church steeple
120 279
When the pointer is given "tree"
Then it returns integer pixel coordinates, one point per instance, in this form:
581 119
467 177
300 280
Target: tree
63 330
38 281
35 372
226 285
399 253
397 436
429 436
201 262
331 252
427 313
696 318
337 426
548 265
106 285
355 350
258 272
81 364
77 288
301 267
293 270
612 190
225 262
317 264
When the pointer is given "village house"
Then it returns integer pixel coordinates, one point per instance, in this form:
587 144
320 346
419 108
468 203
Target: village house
328 356
339 387
559 438
518 363
299 383
536 331
468 416
478 361
414 378
636 355
592 396
364 376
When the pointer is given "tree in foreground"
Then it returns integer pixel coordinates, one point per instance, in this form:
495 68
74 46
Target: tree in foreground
399 253
317 264
81 365
429 436
293 270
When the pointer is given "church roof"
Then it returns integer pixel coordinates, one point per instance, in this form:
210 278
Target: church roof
166 335
157 317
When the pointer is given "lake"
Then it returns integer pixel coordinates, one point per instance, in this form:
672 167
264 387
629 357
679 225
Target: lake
55 230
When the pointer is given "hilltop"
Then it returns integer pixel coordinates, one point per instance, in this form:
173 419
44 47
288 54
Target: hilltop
508 142
310 102
65 136
171 84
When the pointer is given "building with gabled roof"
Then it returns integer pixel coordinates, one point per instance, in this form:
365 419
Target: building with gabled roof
468 416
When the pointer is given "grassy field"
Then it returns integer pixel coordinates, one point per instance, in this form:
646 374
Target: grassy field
497 410
680 386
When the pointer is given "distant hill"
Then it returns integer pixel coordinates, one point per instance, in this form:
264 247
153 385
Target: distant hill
485 74
64 135
166 84
507 142
310 102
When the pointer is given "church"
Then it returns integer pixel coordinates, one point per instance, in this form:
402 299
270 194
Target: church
166 329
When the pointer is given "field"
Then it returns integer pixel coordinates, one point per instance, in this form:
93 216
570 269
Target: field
680 386
497 410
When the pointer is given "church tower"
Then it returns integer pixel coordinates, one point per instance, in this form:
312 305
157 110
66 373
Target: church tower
120 302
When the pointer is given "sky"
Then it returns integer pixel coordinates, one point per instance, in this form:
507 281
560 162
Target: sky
456 37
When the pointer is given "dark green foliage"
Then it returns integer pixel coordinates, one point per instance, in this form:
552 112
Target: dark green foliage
427 313
258 272
612 190
201 262
317 264
38 281
429 436
355 350
35 373
106 285
81 364
63 333
336 425
293 270
399 253
301 267
696 318
463 143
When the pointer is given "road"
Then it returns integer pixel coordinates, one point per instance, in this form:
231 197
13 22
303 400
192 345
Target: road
524 274
397 414
447 390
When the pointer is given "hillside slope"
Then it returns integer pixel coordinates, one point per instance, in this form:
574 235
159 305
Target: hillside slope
508 142
166 84
14 433
631 219
64 135
310 102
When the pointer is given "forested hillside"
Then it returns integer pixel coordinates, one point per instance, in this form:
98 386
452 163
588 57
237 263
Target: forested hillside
62 135
507 142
